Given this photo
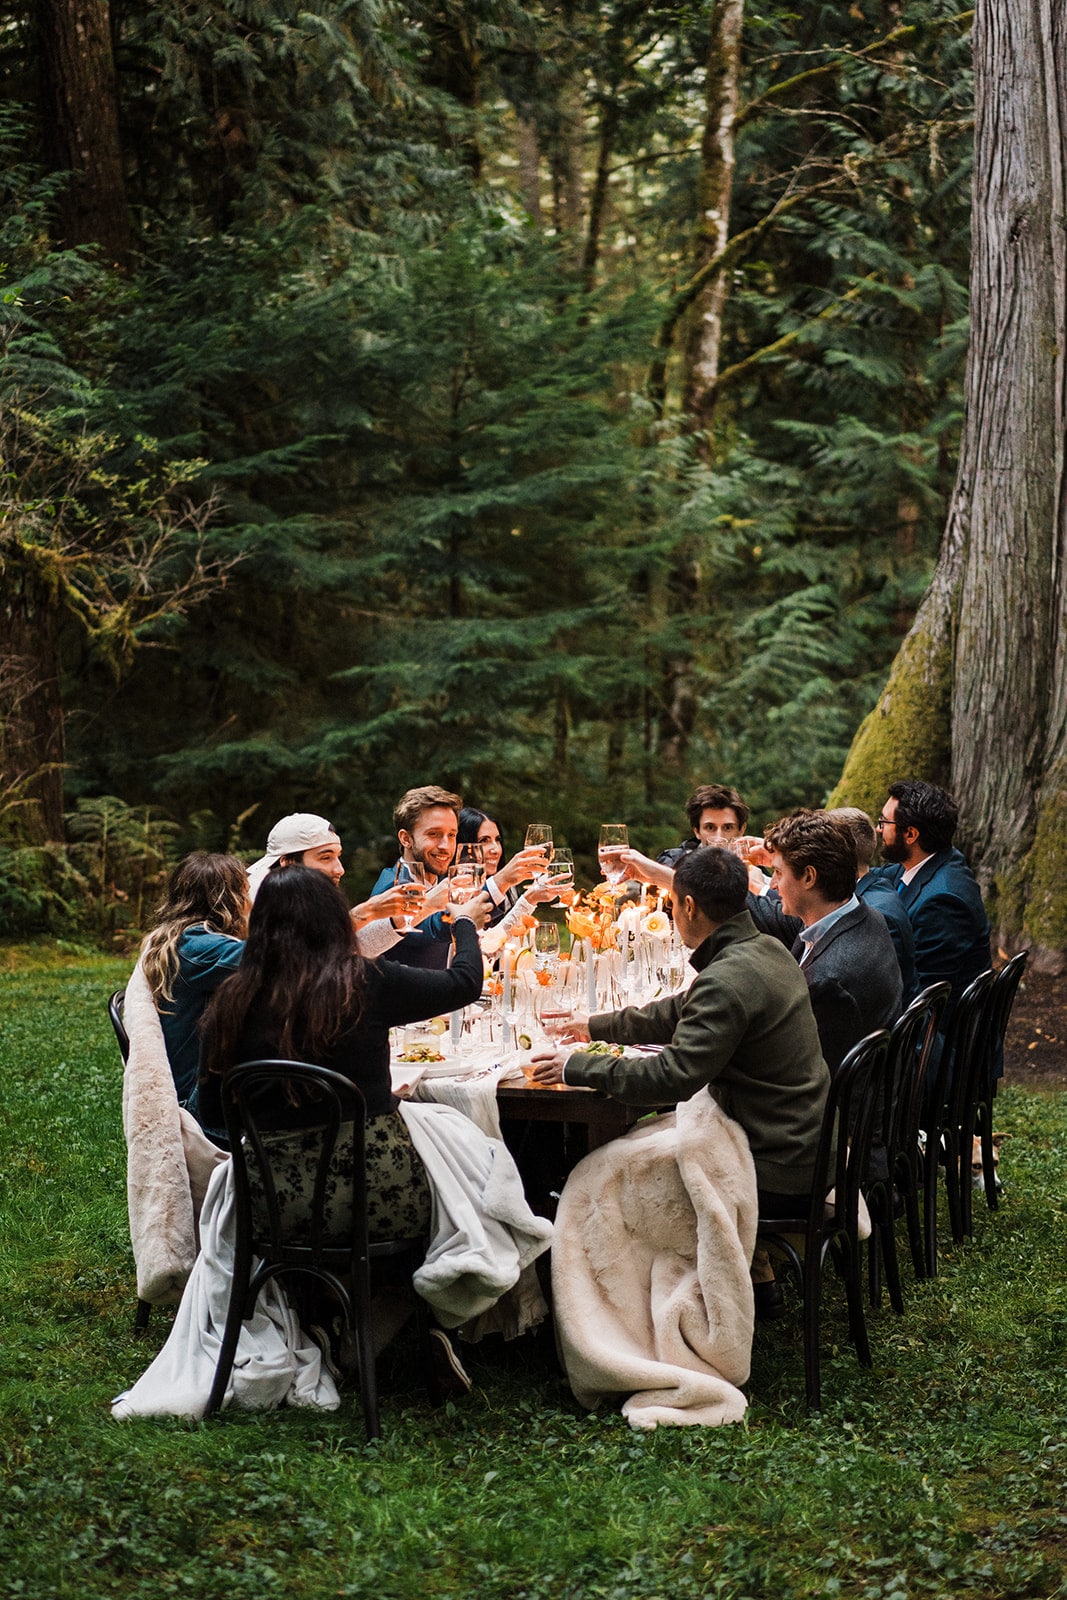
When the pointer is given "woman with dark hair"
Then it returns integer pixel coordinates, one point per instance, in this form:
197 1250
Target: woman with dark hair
197 942
304 993
475 827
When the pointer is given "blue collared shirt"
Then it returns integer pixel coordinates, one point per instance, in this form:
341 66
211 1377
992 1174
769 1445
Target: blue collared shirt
811 936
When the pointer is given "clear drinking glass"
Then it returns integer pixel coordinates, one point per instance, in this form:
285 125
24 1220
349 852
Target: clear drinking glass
554 1014
546 944
414 877
465 879
561 875
472 855
539 833
614 838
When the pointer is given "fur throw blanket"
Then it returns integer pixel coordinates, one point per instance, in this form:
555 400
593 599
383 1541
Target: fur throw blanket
650 1269
169 1160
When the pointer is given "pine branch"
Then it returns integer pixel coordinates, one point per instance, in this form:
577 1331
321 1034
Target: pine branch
724 261
731 375
778 91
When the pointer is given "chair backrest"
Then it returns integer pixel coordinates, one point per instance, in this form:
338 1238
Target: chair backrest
116 1006
261 1102
961 1059
911 1051
856 1090
998 1014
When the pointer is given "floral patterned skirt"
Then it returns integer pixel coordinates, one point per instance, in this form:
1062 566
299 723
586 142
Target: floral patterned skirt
398 1192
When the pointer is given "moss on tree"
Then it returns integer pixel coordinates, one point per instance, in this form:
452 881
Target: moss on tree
1046 912
907 733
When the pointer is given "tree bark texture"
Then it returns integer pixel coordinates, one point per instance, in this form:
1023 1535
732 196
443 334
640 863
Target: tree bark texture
79 96
704 338
992 631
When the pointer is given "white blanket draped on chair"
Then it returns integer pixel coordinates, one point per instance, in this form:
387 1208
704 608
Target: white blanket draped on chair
650 1269
169 1160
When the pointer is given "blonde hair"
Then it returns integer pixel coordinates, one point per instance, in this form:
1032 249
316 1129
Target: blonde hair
212 889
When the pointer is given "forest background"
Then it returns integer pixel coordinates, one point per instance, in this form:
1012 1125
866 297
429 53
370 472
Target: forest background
559 402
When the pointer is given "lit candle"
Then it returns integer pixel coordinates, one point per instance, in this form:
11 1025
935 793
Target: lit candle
455 1023
590 967
506 963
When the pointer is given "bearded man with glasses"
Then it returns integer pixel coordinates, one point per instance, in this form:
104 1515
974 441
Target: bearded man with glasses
936 886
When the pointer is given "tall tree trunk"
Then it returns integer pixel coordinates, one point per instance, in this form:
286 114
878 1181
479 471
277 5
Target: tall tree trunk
81 124
598 200
991 635
529 156
713 209
31 713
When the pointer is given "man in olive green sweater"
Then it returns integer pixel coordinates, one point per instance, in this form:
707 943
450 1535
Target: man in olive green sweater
744 1030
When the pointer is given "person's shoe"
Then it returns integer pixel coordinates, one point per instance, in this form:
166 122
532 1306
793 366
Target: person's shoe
318 1335
770 1301
450 1378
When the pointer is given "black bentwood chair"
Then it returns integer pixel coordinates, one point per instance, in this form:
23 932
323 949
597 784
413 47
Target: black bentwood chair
303 1246
1002 994
831 1227
116 1007
949 1113
894 1182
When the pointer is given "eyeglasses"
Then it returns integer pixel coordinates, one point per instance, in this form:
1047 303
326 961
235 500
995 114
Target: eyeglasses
885 822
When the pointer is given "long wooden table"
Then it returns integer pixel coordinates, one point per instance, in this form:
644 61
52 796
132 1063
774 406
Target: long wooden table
602 1118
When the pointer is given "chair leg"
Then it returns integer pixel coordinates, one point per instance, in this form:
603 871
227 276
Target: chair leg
874 1266
141 1316
913 1218
892 1266
952 1184
930 1188
989 1166
228 1348
812 1285
857 1322
368 1376
368 1372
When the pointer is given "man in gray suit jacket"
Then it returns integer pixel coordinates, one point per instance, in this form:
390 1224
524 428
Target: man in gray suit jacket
843 946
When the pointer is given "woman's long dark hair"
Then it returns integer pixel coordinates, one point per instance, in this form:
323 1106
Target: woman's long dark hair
301 967
470 820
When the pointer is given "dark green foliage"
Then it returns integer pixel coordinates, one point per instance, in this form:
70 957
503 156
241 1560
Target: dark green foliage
467 550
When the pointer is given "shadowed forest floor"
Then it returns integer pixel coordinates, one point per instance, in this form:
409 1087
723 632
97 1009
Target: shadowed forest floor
1035 1050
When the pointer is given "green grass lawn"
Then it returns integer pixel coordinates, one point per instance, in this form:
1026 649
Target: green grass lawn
940 1473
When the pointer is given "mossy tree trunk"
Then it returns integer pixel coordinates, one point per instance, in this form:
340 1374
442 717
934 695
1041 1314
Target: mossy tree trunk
978 692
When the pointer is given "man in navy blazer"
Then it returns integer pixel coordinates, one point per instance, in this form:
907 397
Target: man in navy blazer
937 888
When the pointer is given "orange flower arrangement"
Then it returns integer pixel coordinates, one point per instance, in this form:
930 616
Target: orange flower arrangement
592 917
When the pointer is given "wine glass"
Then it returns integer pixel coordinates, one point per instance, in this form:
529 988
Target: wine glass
414 877
554 1014
614 838
539 834
465 880
560 875
472 855
546 944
